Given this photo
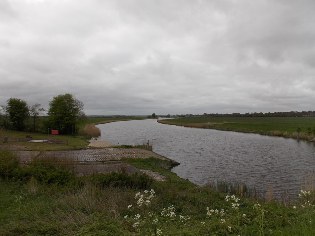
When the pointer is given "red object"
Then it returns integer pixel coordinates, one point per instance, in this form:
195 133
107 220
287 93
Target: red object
55 132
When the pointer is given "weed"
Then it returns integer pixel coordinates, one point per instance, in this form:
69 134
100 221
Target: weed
122 180
8 164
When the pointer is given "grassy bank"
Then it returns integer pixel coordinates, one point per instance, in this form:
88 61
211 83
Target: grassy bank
288 127
87 129
37 202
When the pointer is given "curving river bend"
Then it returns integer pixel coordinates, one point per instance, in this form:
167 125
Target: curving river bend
283 165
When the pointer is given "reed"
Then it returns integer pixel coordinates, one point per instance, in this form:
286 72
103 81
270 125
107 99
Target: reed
91 130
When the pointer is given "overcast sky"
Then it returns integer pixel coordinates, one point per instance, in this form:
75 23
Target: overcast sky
162 56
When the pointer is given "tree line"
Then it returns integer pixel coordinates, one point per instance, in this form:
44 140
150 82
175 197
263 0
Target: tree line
267 114
63 114
254 114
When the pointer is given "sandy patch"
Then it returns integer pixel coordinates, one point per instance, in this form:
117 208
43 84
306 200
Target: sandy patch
99 144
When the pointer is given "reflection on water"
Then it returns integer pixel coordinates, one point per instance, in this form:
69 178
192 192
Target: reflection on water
210 155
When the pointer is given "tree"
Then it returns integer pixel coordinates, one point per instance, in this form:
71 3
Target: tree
153 115
34 112
18 112
64 112
3 117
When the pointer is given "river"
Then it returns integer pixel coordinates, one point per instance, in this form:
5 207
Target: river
283 166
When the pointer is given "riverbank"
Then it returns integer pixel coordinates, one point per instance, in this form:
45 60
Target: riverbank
49 200
19 140
300 128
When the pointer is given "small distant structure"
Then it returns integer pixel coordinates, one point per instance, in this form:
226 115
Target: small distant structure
55 132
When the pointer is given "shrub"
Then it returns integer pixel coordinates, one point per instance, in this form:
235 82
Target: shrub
91 131
8 164
122 180
46 172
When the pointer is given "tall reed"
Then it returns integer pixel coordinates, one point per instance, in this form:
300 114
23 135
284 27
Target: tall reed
91 130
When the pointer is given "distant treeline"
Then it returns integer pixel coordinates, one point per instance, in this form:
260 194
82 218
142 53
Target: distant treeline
258 114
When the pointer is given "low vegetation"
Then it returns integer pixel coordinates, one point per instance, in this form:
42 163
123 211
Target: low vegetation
45 199
288 127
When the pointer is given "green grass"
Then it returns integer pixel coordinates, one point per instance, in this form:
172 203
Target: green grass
292 127
67 142
99 206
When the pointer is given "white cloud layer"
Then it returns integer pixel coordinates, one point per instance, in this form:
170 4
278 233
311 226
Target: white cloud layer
145 56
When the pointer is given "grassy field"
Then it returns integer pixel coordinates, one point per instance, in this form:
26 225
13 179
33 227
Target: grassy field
291 127
37 200
63 142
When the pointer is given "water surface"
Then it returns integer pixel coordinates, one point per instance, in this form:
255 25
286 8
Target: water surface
283 165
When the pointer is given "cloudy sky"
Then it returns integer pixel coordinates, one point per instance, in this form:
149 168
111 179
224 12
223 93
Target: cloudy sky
162 56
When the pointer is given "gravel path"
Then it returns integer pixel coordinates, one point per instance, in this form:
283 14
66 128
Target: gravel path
90 155
89 161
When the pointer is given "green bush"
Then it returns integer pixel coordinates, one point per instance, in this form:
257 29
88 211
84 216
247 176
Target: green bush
8 164
45 172
122 180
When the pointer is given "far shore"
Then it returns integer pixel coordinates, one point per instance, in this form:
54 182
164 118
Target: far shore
222 126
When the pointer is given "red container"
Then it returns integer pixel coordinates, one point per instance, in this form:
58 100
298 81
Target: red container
55 132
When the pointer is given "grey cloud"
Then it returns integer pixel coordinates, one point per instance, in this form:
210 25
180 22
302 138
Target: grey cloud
139 57
6 11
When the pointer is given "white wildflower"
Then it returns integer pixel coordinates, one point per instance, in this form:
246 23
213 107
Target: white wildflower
137 217
137 195
222 212
169 212
158 232
135 225
140 201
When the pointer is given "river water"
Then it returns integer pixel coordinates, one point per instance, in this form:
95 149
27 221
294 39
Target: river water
281 165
